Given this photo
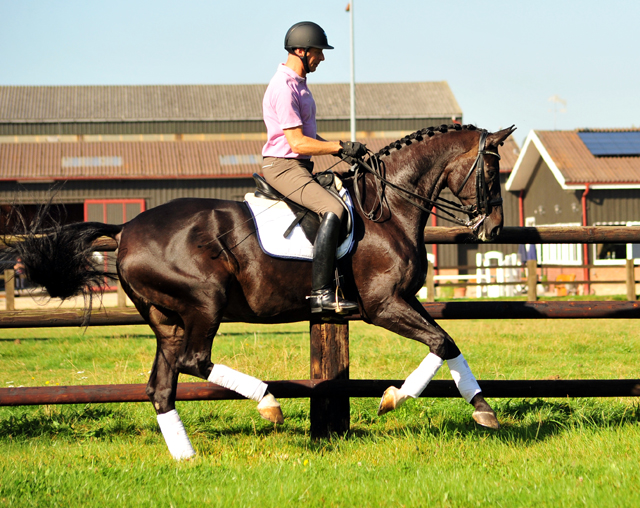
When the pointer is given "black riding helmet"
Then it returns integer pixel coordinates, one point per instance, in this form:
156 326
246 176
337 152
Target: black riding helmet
305 35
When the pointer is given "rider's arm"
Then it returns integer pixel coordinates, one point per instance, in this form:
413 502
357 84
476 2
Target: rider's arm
305 145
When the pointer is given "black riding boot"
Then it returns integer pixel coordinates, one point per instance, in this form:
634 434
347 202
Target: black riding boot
323 296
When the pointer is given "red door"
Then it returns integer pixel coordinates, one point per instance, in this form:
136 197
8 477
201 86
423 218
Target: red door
111 211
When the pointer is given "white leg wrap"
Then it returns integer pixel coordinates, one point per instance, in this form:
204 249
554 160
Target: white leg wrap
464 379
245 385
175 435
418 380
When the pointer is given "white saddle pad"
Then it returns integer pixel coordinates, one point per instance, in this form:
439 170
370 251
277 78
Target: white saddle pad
272 219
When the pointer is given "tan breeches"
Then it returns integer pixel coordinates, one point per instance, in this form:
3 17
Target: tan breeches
292 178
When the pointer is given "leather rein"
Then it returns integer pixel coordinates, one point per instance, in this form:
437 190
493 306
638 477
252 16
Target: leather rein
477 212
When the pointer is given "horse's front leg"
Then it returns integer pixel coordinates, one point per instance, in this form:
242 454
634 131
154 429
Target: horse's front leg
409 319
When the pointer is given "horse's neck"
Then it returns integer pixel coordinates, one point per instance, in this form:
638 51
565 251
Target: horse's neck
425 176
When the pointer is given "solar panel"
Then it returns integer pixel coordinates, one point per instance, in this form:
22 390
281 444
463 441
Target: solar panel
611 144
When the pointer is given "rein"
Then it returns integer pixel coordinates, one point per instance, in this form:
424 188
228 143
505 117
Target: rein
477 212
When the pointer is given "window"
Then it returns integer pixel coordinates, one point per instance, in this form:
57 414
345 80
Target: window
615 253
560 253
111 211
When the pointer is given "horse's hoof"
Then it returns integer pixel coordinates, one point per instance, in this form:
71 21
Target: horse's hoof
486 419
392 399
269 409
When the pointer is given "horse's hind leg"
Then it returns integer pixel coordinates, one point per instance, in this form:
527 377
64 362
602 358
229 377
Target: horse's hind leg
184 346
195 359
163 382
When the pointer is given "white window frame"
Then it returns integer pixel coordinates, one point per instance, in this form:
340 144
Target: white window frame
569 254
630 247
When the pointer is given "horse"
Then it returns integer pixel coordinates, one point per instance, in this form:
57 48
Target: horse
189 264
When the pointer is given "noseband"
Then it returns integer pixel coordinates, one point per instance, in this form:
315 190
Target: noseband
477 212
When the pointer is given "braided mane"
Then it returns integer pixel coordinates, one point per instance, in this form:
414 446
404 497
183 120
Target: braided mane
419 136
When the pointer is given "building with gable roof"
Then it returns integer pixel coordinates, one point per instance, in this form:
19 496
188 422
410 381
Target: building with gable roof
586 177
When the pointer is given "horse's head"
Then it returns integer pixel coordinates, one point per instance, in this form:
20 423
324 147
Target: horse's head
474 177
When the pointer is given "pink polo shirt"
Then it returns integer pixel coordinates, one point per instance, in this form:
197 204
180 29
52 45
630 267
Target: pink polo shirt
287 103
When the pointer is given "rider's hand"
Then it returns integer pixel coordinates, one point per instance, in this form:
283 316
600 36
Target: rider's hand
352 149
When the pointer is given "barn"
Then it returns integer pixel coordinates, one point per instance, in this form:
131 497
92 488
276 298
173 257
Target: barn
585 177
106 153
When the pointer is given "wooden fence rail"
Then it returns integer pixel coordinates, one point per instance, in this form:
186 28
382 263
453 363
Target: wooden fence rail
509 235
438 310
313 388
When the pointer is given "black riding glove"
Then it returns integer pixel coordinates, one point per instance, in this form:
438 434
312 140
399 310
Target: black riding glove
352 149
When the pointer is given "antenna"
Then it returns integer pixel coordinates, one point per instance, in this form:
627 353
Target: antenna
557 100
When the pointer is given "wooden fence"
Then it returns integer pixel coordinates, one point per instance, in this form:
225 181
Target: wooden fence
330 388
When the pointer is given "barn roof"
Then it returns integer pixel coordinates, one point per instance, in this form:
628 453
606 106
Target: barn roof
187 158
38 162
572 164
31 104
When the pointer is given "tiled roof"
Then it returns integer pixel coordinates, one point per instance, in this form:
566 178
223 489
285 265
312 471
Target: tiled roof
154 159
578 165
216 102
139 160
572 164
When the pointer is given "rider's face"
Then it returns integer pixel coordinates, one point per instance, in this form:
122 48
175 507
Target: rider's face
314 57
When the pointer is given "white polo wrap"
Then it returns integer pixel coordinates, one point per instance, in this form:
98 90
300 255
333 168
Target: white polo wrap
245 385
464 379
418 380
175 436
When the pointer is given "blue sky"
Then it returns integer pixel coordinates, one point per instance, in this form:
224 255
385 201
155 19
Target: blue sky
502 59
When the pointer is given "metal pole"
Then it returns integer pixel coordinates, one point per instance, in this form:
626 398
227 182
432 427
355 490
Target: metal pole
352 87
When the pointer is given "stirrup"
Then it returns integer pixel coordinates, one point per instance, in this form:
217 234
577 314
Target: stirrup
325 300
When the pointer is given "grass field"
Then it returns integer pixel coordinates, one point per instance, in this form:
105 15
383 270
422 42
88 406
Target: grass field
551 452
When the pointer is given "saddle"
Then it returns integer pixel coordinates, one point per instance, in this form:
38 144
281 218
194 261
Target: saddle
309 221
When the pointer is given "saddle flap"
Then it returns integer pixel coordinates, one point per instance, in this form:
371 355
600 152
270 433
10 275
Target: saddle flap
264 190
308 220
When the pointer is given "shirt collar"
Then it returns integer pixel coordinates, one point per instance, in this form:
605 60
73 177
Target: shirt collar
291 73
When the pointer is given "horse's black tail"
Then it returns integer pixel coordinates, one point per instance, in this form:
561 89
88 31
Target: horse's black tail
60 257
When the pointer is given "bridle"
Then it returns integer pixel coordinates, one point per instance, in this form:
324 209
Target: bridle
477 212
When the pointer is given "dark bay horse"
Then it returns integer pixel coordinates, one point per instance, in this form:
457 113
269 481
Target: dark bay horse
190 263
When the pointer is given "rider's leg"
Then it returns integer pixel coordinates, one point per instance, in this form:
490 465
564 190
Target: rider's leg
323 296
292 178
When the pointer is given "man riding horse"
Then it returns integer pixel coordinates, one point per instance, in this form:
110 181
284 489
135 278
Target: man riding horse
289 112
192 263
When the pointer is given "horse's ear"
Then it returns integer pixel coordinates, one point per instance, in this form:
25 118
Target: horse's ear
497 138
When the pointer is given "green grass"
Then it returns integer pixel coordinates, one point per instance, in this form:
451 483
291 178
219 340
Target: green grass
551 452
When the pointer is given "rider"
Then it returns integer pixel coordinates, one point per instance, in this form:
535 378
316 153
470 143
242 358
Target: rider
289 112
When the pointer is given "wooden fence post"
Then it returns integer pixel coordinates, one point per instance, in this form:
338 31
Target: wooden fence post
532 280
329 360
431 284
631 281
122 297
9 288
